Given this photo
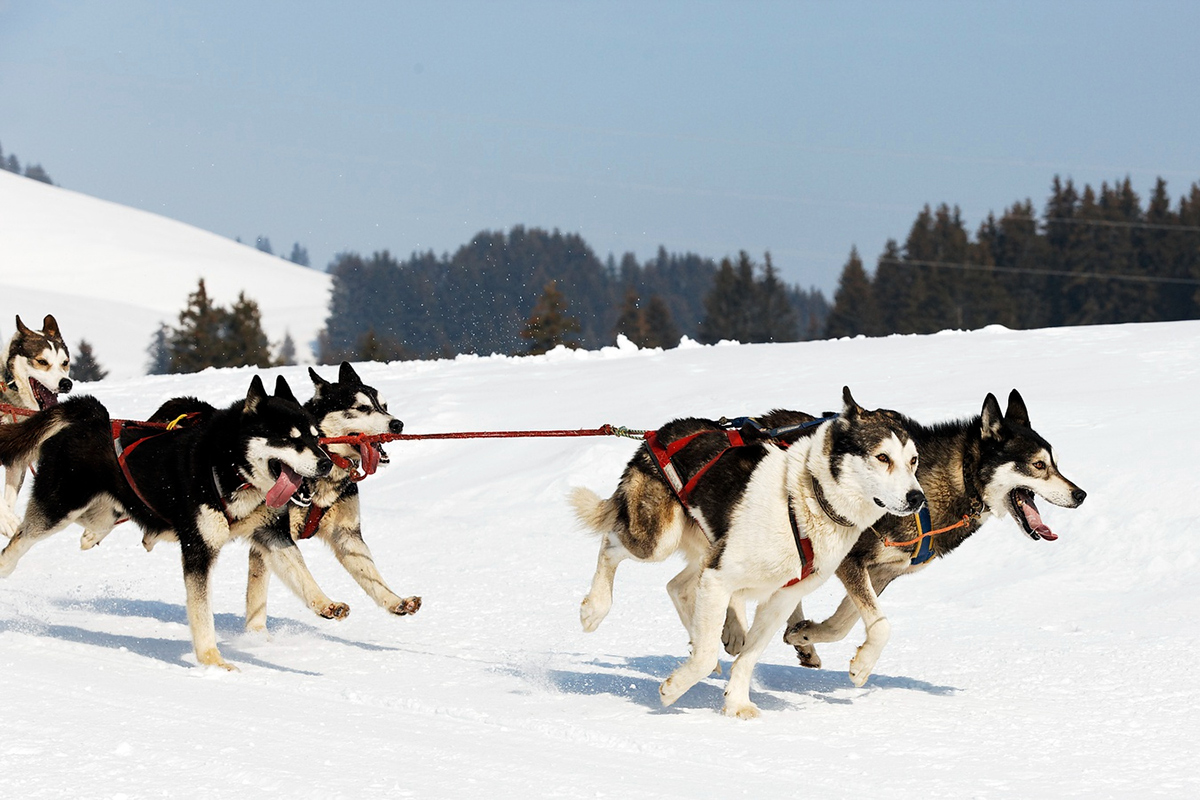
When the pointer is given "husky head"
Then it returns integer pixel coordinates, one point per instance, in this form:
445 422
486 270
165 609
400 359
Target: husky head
348 408
1016 463
281 442
38 364
871 455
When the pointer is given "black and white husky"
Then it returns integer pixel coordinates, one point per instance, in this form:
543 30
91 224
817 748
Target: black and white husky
345 408
37 369
990 465
768 524
203 483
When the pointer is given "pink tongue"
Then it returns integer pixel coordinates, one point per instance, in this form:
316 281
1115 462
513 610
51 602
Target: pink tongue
1035 523
284 487
370 458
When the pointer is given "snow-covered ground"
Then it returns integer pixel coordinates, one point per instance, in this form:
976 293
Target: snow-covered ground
111 274
1015 669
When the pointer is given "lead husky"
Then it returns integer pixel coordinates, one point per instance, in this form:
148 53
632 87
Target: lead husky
36 370
990 465
201 484
777 523
345 408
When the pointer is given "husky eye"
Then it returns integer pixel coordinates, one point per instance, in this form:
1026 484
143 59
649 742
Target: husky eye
882 458
41 362
1039 465
363 409
913 462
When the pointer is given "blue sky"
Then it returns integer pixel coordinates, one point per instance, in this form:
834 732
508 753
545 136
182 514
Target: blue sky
798 128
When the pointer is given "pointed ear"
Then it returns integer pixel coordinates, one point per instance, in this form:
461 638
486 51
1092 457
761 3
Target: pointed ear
850 409
50 326
254 396
317 380
1016 414
346 374
991 423
283 391
21 326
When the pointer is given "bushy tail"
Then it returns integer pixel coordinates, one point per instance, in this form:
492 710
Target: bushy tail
593 512
21 441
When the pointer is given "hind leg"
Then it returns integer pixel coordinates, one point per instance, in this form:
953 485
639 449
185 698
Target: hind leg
596 605
37 525
682 591
355 557
712 600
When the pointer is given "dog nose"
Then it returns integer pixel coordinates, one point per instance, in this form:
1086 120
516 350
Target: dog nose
915 499
324 465
65 385
1079 495
395 426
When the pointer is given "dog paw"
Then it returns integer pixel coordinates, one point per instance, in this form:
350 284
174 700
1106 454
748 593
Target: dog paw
741 710
9 522
90 539
860 668
406 606
592 612
334 611
212 658
808 656
733 639
801 633
669 691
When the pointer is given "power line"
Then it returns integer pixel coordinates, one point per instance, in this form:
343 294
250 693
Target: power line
1046 272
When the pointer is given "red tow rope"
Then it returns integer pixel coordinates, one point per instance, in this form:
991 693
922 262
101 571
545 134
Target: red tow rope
363 438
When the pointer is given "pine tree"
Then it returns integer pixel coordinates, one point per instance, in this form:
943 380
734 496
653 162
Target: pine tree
286 356
196 342
549 326
264 244
35 172
854 312
159 352
243 342
775 312
84 366
299 255
632 322
660 328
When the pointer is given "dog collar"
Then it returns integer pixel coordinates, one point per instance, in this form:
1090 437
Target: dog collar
837 518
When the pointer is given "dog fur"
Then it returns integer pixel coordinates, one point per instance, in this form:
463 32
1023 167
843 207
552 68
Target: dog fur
990 465
344 408
37 369
738 538
202 484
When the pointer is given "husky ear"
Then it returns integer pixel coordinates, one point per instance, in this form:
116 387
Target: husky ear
1016 414
991 423
850 409
254 396
346 374
21 326
50 326
319 383
283 391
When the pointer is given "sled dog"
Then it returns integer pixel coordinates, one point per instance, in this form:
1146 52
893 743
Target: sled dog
36 370
971 470
770 524
345 408
202 483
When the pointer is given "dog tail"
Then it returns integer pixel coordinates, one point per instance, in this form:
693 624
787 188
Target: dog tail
593 512
21 441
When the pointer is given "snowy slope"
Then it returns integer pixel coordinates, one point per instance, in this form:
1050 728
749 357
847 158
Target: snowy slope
1015 669
110 274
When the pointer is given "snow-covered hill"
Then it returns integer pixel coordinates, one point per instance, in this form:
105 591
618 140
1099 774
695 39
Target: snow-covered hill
1015 669
110 274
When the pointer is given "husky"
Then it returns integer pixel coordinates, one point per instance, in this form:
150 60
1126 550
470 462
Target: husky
36 370
971 470
768 524
345 408
202 483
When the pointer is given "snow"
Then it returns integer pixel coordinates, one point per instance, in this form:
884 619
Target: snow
1015 668
67 252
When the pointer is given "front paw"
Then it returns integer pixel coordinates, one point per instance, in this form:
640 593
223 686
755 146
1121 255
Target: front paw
808 656
406 606
802 633
741 710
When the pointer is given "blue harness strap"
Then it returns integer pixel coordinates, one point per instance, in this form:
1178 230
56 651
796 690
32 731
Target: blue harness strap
924 550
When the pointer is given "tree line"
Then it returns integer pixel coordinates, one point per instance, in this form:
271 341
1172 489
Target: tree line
13 164
1092 257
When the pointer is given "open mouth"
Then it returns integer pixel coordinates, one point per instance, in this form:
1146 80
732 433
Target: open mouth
43 396
371 455
1025 511
287 484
